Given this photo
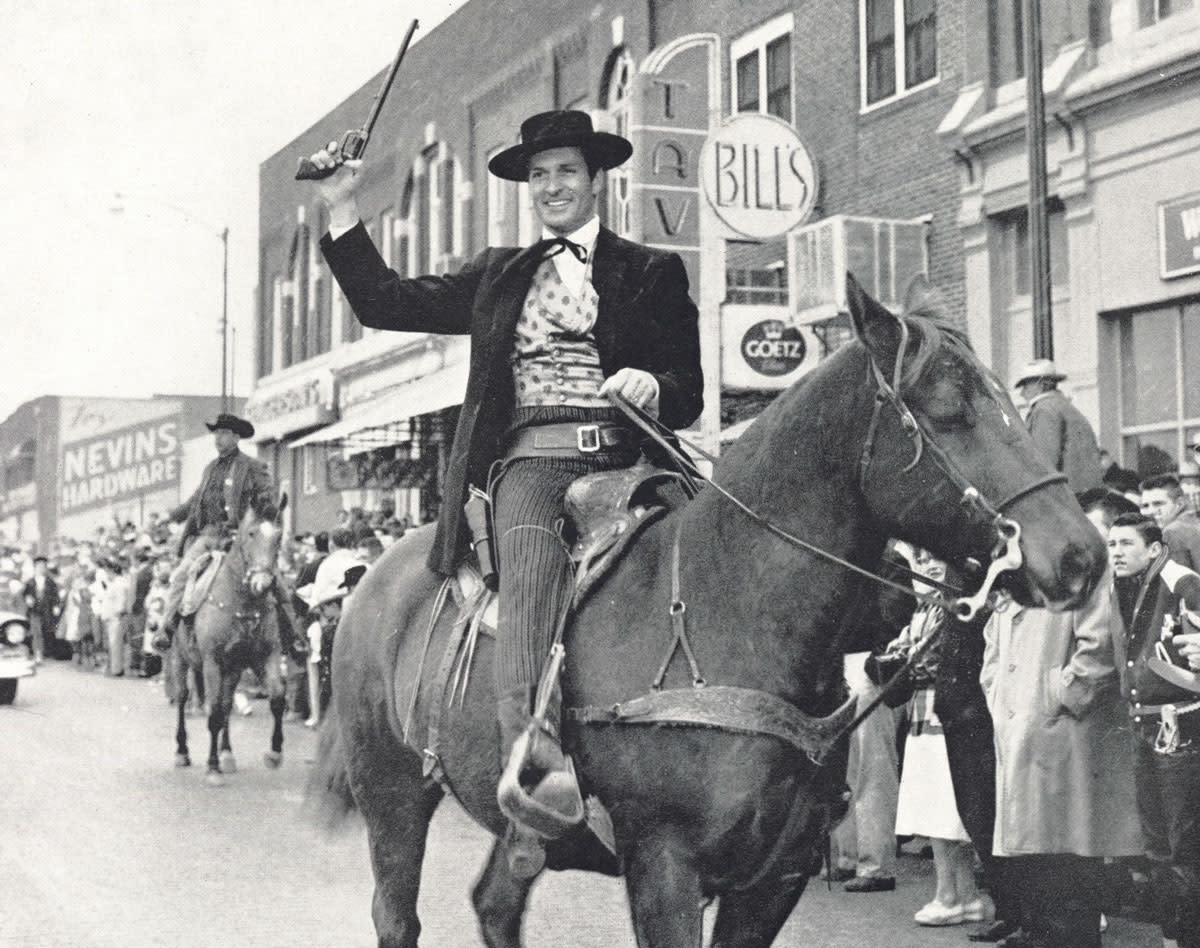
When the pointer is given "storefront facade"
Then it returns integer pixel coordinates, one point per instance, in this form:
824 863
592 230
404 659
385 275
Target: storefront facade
670 77
76 464
889 142
1123 163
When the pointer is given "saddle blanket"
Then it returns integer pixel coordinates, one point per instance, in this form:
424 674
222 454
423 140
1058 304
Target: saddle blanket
200 578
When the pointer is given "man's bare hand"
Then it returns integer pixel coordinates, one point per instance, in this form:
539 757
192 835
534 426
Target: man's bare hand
1189 647
339 189
637 387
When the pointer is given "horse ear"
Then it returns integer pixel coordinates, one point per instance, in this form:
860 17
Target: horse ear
877 326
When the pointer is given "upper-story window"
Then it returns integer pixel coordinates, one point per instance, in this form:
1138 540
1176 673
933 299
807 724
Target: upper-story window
761 69
497 205
898 47
619 184
1151 11
1006 47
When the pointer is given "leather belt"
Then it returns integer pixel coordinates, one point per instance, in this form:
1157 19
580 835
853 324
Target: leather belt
1156 710
567 440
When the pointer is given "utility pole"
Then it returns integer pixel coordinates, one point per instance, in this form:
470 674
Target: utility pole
225 319
1035 144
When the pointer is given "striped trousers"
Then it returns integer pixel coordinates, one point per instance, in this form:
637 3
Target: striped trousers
534 558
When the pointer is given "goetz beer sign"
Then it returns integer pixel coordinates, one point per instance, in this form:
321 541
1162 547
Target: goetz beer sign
771 348
120 464
758 176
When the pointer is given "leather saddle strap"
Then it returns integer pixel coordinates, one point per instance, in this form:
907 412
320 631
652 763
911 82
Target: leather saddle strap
728 708
678 612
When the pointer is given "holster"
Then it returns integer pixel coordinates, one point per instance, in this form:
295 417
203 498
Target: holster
478 513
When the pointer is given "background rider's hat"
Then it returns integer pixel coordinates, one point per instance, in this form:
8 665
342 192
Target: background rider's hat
239 426
559 129
1038 369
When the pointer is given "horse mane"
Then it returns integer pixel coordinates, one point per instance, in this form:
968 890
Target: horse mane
932 334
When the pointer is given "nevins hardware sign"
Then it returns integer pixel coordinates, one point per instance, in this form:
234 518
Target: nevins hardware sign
120 464
758 176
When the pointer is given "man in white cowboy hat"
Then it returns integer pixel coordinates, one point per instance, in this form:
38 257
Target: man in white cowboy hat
232 483
554 329
1058 428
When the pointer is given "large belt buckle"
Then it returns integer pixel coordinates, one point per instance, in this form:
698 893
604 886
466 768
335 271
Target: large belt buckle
587 439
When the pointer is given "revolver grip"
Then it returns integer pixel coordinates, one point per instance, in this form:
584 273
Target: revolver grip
307 171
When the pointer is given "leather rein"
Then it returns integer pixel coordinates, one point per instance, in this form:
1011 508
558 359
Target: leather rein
750 710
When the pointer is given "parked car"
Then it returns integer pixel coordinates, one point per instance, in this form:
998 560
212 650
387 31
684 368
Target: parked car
16 658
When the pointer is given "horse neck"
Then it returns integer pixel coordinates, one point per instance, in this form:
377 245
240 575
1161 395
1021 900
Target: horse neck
791 601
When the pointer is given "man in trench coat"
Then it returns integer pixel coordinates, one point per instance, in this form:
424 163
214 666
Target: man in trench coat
1065 795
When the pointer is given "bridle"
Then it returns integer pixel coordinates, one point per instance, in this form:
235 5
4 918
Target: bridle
1005 555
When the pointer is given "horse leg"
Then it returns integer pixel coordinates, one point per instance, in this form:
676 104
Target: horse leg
180 670
752 918
665 898
397 803
216 683
273 677
499 898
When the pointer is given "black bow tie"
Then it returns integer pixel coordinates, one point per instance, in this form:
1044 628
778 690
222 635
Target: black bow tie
553 246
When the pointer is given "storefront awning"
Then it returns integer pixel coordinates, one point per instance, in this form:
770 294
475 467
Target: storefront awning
432 392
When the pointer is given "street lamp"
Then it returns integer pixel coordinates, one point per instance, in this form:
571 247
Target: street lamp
223 233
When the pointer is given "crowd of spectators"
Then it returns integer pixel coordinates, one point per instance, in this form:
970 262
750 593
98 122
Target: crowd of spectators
99 602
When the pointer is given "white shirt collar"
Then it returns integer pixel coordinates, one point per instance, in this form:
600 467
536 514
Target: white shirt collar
573 273
585 236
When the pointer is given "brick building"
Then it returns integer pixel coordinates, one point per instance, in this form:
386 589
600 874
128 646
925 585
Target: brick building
906 119
71 464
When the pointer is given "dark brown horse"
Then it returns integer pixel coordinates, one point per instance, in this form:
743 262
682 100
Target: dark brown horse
235 628
728 806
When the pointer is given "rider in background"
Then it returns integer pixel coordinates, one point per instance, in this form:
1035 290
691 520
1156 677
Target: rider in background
232 483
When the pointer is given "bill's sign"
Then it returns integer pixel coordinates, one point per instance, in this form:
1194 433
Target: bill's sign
758 176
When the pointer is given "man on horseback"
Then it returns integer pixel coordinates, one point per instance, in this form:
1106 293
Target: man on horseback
233 482
555 328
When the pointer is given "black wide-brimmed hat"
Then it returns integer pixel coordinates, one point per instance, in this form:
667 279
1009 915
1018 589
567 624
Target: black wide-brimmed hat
559 129
239 426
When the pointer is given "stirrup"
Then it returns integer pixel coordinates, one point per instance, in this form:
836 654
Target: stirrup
538 788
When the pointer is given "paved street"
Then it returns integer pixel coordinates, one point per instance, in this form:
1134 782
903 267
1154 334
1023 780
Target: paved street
104 843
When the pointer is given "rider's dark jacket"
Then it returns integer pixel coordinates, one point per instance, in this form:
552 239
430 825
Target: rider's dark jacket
645 320
240 484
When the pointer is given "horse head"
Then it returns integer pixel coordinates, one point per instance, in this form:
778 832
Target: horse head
947 462
258 539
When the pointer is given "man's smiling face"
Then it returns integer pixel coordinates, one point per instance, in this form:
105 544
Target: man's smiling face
562 192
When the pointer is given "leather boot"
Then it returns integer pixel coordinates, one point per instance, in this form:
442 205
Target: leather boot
538 790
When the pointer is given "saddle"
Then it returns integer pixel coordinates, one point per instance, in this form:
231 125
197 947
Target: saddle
607 510
201 574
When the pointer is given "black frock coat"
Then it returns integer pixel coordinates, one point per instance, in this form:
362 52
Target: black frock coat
645 320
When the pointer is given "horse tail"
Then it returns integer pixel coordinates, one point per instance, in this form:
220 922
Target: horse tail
328 798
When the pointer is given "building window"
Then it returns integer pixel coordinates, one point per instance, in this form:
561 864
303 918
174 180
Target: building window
387 240
1014 252
1152 11
761 66
1159 389
756 272
619 185
308 468
895 62
1007 47
20 465
496 207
